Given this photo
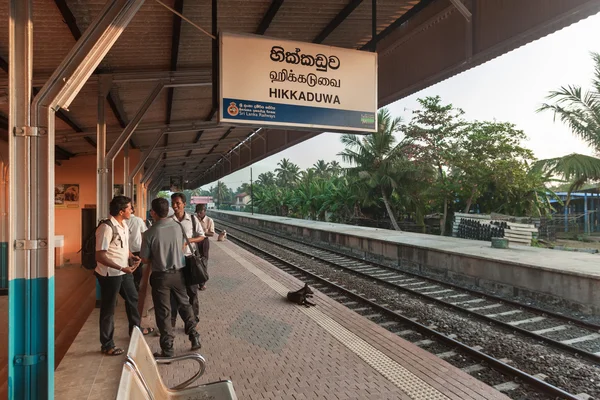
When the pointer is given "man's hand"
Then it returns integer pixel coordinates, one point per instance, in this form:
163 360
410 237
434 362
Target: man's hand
129 270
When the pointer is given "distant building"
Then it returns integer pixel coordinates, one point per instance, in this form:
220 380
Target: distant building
241 200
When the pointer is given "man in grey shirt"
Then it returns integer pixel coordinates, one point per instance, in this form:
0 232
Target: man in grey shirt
162 247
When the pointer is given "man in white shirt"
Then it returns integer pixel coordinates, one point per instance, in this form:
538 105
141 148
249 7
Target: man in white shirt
195 234
208 225
115 265
136 228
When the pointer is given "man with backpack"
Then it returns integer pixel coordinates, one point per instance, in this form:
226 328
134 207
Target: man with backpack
114 269
193 230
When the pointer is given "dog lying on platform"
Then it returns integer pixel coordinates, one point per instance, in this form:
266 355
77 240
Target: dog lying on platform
222 236
300 296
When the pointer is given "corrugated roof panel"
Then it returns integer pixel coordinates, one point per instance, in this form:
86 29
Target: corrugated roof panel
52 39
303 20
355 30
146 42
133 94
84 110
194 46
191 103
4 34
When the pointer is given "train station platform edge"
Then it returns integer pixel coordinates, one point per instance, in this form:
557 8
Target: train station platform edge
273 349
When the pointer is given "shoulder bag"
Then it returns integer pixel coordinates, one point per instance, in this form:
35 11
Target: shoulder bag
196 269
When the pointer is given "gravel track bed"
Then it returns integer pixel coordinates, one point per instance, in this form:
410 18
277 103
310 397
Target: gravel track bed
552 307
569 373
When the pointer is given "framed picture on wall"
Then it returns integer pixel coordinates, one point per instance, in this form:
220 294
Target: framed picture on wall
118 190
66 195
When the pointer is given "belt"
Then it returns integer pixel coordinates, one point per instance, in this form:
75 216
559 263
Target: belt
170 271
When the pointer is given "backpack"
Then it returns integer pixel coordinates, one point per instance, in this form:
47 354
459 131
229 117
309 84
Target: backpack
88 251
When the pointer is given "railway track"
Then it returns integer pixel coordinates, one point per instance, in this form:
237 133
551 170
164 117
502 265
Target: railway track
459 299
579 338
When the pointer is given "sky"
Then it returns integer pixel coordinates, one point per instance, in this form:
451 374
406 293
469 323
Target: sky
509 88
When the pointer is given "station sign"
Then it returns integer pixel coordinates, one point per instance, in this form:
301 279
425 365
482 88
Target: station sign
267 81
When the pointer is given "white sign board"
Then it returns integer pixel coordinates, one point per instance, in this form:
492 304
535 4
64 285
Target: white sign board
266 81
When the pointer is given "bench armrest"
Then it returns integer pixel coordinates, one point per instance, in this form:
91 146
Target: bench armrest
196 357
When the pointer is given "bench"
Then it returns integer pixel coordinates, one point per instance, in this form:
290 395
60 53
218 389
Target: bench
140 379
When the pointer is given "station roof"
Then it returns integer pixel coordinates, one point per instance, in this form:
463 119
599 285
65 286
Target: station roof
419 43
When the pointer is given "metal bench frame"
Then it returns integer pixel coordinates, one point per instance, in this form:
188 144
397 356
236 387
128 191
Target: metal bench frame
182 388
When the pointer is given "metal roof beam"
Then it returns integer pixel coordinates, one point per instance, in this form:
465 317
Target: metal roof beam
175 38
3 65
91 141
268 17
227 133
62 154
337 20
60 114
113 100
202 74
175 127
417 8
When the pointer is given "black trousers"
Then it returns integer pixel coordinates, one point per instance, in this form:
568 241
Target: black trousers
163 284
192 293
137 274
110 287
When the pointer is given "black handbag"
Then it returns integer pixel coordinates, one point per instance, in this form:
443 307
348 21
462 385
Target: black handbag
196 266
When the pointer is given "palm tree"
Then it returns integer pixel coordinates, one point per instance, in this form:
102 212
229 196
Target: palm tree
266 179
335 168
374 158
287 172
580 110
221 192
321 169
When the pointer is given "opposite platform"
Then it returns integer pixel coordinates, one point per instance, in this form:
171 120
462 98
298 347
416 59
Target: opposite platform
272 349
571 279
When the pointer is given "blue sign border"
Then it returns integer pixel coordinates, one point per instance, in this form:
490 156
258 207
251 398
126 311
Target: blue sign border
276 113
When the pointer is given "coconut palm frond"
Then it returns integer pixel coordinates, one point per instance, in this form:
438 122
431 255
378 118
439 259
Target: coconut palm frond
572 167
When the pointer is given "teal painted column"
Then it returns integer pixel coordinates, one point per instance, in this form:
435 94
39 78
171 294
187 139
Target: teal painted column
31 228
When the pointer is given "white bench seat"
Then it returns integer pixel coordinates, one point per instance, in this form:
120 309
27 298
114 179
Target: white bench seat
141 380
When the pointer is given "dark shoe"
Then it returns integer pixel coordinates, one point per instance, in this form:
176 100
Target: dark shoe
162 354
173 323
195 339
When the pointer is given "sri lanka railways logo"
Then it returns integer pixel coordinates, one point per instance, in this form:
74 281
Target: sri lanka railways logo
232 109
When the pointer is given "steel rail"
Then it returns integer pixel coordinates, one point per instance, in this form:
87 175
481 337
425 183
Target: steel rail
497 364
565 347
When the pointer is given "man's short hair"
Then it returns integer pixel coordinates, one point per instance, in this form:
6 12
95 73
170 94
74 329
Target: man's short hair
117 204
200 207
180 195
161 207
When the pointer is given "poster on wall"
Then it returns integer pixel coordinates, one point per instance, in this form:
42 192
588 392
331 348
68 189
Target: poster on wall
268 81
118 190
66 195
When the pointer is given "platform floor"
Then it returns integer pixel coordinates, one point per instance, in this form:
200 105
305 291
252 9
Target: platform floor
576 263
272 349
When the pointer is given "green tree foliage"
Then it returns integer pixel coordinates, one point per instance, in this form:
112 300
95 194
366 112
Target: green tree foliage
438 163
375 158
434 131
580 111
287 173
